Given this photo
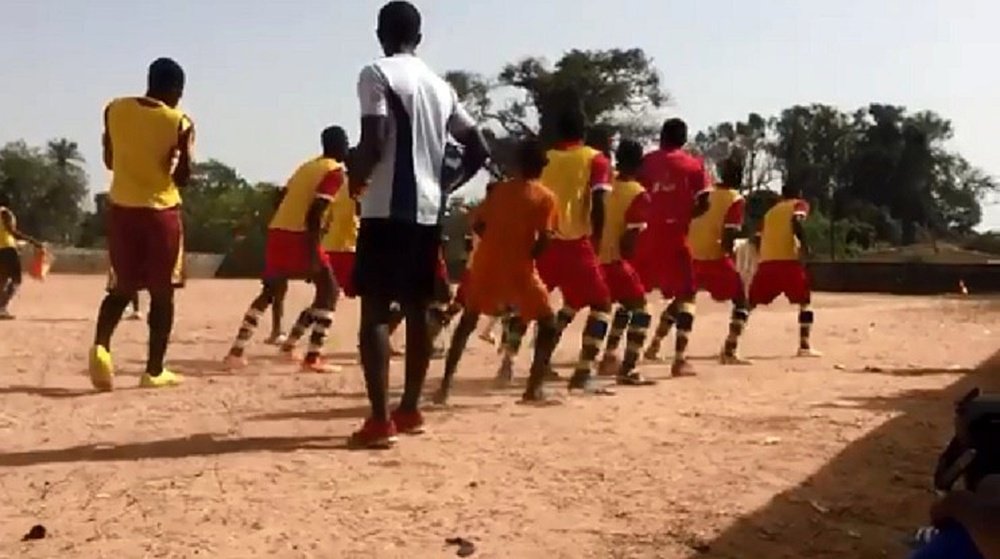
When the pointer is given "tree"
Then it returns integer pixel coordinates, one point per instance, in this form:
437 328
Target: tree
750 138
619 89
46 188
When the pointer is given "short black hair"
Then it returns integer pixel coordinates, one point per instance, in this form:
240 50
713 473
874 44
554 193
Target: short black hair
165 74
335 142
4 199
399 23
531 158
731 171
599 138
674 133
569 120
791 190
629 156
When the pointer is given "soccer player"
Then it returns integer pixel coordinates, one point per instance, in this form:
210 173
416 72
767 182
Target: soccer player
712 236
11 274
294 251
580 178
515 222
673 179
625 217
340 240
781 271
407 115
147 147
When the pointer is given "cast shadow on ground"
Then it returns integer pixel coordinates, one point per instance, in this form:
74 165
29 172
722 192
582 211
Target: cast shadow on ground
54 392
361 411
867 499
205 444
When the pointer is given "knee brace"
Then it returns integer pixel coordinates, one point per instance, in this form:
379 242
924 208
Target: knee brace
806 317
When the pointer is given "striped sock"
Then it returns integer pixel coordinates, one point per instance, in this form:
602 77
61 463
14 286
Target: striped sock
737 323
593 336
806 319
514 330
564 318
667 320
685 323
638 328
250 321
302 324
322 320
618 325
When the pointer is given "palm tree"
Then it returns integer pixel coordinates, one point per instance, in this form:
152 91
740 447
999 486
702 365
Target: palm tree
63 152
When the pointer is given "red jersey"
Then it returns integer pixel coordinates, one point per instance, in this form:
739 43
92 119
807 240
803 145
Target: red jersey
673 178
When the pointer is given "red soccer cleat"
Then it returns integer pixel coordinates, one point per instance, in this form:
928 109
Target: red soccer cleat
374 435
408 422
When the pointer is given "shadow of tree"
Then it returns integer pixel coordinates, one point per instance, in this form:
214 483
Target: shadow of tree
204 444
867 499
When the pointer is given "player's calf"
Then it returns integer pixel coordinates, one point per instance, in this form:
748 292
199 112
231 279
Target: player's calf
667 321
459 340
737 324
806 319
251 320
545 345
685 324
638 327
610 364
594 333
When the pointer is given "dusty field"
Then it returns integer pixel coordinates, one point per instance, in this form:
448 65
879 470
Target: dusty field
787 458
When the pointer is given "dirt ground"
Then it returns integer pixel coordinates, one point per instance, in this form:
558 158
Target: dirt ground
786 458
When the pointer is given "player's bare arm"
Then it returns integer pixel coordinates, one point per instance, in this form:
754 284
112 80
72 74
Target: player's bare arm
729 234
185 144
314 228
597 214
800 232
700 204
474 156
368 152
108 151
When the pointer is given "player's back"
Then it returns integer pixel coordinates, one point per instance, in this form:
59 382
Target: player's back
568 175
673 177
514 213
144 134
777 241
621 201
7 239
300 192
706 230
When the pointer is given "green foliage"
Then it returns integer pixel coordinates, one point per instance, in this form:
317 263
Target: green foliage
46 188
619 89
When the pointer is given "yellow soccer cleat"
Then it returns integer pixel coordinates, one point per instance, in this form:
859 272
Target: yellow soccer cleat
102 369
163 380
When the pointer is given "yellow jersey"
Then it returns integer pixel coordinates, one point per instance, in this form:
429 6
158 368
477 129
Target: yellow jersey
573 173
777 241
725 210
320 177
341 223
145 135
7 239
624 208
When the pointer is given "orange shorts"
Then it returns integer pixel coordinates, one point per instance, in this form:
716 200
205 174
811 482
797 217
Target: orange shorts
286 255
343 269
572 267
719 278
780 277
666 266
623 282
494 295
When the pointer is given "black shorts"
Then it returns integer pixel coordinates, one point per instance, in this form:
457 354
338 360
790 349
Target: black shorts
10 264
397 260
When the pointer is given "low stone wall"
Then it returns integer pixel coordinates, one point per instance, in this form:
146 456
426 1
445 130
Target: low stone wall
904 278
92 261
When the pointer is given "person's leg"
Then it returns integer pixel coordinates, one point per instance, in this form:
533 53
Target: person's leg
235 358
668 318
418 358
611 364
638 327
737 324
685 324
161 323
323 305
373 340
163 262
10 278
798 292
109 315
459 338
279 290
545 345
585 285
514 330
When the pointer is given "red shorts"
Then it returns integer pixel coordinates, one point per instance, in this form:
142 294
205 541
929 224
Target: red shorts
780 277
463 288
494 296
146 248
572 267
719 278
667 266
343 270
623 282
287 255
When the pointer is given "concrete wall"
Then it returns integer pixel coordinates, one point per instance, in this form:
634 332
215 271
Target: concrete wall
91 261
904 278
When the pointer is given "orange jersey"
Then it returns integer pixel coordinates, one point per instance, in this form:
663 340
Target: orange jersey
625 208
777 240
514 214
573 173
725 210
145 138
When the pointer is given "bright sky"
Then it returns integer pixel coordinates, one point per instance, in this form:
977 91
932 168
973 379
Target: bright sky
264 76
